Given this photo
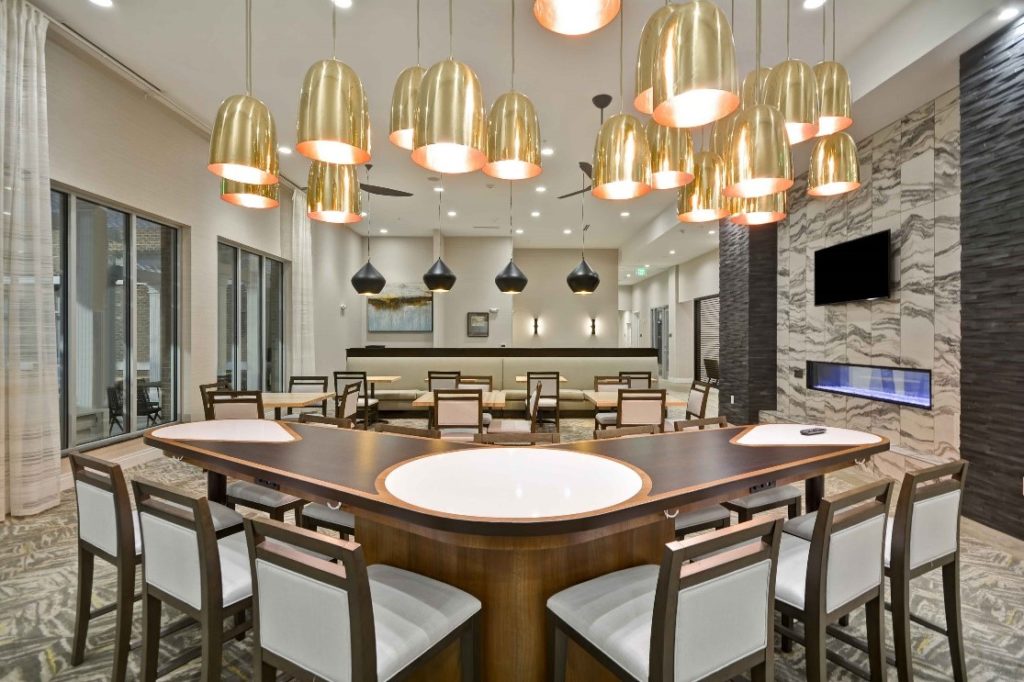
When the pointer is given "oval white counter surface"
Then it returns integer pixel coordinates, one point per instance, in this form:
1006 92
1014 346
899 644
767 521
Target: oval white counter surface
513 482
789 434
238 430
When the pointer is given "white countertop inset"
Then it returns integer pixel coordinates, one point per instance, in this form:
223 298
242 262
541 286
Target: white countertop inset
513 482
241 430
789 434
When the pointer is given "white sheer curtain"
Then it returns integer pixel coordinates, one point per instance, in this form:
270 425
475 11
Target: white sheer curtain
29 403
302 348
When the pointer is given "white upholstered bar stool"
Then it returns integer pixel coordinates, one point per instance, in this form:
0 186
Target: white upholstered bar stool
186 566
836 572
321 613
704 614
458 415
712 516
316 515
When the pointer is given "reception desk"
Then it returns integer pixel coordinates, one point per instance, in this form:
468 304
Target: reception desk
512 526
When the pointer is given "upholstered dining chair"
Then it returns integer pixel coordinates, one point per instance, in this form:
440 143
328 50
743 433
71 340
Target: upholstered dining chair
608 384
480 383
249 405
704 614
697 400
442 380
636 407
185 566
638 379
458 415
306 384
922 536
381 622
346 404
206 389
369 405
839 570
520 426
550 392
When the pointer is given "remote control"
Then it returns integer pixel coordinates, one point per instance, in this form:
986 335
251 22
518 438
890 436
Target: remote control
813 431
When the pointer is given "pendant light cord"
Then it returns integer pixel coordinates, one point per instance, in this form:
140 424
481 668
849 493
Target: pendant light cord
835 6
583 209
451 30
824 16
369 217
334 31
417 32
513 3
789 4
511 233
622 89
439 196
757 47
248 47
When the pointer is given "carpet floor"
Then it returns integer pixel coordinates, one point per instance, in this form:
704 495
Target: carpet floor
38 580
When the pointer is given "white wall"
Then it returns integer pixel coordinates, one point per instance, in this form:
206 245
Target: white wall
475 261
337 253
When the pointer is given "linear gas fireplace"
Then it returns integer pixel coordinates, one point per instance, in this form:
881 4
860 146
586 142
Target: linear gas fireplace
898 385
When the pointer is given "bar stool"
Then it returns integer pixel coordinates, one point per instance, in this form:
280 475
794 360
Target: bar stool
315 515
704 614
186 566
837 572
321 613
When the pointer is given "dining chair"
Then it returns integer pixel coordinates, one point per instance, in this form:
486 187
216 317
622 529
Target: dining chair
115 408
625 431
206 389
185 566
638 407
319 612
608 384
550 392
481 383
407 431
697 400
320 420
346 404
306 384
366 402
458 415
249 405
704 614
442 380
839 570
520 426
145 406
922 536
638 379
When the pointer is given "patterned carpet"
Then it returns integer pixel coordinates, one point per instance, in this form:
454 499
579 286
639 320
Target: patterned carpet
38 577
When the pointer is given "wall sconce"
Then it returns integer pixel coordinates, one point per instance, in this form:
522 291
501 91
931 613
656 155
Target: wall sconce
536 326
593 326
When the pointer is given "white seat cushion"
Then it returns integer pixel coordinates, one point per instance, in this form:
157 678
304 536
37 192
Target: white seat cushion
791 574
235 572
509 426
411 614
605 418
324 514
783 494
258 494
548 402
223 517
367 402
699 517
802 526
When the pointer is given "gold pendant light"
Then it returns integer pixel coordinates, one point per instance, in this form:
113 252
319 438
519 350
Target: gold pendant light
333 193
752 91
647 57
513 131
695 77
770 208
451 130
671 156
721 135
836 108
702 200
243 146
404 97
792 88
575 17
334 124
249 196
622 158
834 168
759 159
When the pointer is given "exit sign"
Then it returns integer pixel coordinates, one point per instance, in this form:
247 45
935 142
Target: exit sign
641 272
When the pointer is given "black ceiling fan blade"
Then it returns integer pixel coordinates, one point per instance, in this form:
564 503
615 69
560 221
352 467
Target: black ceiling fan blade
572 194
383 191
587 169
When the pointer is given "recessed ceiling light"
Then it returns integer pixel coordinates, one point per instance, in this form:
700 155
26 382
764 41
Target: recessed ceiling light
284 150
344 4
672 252
519 231
628 275
624 214
567 231
383 230
542 188
439 189
363 213
1008 13
711 231
547 151
103 3
452 214
535 214
813 4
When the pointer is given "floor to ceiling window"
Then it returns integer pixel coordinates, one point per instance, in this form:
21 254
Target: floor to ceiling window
116 287
250 319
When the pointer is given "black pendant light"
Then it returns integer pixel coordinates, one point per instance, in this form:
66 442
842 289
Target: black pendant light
368 281
511 280
583 279
439 278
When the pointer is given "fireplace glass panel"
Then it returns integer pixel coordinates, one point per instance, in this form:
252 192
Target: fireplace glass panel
889 384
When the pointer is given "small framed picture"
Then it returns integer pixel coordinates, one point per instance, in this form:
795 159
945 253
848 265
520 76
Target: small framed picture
478 324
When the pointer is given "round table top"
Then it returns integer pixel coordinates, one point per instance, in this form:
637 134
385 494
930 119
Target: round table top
513 482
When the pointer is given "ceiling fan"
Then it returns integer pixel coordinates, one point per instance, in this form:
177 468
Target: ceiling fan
601 102
377 189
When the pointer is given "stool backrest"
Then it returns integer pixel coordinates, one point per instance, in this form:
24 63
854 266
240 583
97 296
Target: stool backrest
638 406
714 604
437 381
549 383
347 403
304 583
638 379
104 508
847 547
234 405
926 527
697 400
458 409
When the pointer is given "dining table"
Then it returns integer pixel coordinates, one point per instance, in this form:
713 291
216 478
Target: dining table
606 400
294 400
521 379
374 379
490 400
513 525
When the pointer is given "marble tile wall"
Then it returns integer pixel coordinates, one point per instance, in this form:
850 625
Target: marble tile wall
910 175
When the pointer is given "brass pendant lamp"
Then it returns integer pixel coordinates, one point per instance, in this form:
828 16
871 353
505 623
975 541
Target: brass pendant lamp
439 278
451 130
334 122
249 196
753 89
834 168
575 17
583 279
332 193
243 146
622 158
759 160
647 57
770 208
836 108
671 156
792 88
405 96
695 75
513 131
511 280
703 199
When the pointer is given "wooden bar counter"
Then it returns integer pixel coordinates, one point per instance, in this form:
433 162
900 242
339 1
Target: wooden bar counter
512 526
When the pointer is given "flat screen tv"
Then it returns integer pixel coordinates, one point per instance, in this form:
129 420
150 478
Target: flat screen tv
853 271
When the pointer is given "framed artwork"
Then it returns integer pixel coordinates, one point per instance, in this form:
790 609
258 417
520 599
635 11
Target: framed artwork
478 324
401 308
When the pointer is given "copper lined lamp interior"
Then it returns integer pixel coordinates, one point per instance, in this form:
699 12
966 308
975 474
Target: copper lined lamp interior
575 17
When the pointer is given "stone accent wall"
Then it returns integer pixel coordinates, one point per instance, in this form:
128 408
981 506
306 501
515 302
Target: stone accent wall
911 186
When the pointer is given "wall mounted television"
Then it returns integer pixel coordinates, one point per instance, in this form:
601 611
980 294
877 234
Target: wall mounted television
856 270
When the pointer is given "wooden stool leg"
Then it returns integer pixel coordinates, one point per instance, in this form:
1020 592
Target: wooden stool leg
557 651
876 638
238 620
150 635
794 510
83 606
814 632
212 645
123 624
787 643
954 623
745 515
900 587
